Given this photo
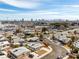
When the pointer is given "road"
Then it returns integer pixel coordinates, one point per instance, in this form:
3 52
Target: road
57 51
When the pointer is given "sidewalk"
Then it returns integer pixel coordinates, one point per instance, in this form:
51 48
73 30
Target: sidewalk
48 51
66 57
68 49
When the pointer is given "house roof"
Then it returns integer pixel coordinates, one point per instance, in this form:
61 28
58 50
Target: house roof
34 44
76 44
33 38
3 56
64 39
3 43
19 51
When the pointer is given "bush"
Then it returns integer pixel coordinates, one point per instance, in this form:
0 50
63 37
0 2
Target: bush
77 56
27 46
15 46
59 24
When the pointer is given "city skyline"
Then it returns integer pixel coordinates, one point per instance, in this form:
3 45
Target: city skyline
46 9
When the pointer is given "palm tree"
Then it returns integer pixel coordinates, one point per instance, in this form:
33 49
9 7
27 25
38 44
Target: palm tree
44 29
75 32
73 38
36 33
18 30
10 40
25 36
77 56
41 37
53 37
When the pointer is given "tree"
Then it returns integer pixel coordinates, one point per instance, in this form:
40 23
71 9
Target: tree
25 35
10 40
75 50
75 32
57 24
18 30
77 56
44 29
41 37
73 38
53 37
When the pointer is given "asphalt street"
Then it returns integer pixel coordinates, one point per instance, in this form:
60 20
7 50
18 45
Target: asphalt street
58 50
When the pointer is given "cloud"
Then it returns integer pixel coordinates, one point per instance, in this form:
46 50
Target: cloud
46 12
41 9
22 4
0 0
3 9
76 6
72 6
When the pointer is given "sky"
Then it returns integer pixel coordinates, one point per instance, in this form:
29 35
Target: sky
39 9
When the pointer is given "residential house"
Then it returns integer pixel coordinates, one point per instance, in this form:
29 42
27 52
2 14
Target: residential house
18 52
76 44
4 44
62 38
9 27
33 39
2 55
17 40
29 31
35 45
